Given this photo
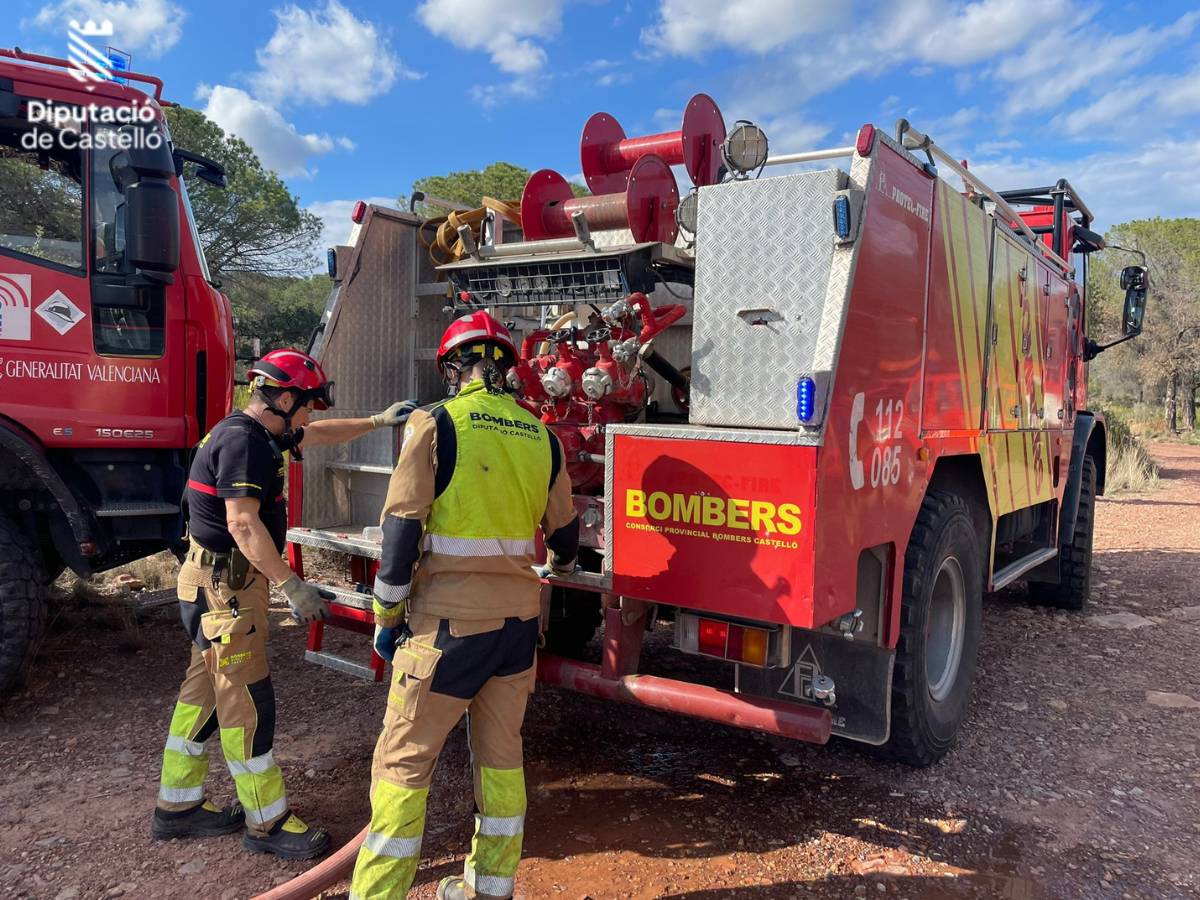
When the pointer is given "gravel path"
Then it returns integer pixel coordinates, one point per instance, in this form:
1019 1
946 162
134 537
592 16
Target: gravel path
1076 775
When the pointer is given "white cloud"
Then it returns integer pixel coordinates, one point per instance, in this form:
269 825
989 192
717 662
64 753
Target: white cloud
489 96
323 56
1119 185
279 145
1137 104
153 26
335 216
1043 77
508 31
689 27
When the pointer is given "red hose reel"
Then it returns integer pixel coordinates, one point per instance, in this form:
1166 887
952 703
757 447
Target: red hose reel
630 177
646 205
608 155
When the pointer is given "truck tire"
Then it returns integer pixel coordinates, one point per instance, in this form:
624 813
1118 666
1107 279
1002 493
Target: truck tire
574 618
1074 557
22 602
939 632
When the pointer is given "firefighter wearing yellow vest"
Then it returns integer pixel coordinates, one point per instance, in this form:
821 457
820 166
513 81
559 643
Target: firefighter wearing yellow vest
477 476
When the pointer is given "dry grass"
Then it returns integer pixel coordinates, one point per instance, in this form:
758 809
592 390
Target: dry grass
1130 469
155 572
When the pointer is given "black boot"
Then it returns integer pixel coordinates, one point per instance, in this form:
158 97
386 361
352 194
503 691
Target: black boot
205 820
289 838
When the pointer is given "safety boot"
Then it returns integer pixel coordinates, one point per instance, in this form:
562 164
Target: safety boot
456 889
205 820
289 838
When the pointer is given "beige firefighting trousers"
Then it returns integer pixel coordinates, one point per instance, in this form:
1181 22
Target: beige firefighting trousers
228 688
415 726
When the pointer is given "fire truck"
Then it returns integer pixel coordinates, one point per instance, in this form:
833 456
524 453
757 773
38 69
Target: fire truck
116 346
811 418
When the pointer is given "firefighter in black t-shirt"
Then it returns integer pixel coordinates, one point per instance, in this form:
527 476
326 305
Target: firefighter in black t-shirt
237 519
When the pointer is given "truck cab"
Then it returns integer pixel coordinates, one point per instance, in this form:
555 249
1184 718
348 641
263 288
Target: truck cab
116 346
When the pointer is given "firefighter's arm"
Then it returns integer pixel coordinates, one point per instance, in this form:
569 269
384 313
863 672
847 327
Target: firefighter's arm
253 539
409 497
560 524
339 431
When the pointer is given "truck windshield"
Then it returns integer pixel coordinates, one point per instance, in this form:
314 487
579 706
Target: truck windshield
41 197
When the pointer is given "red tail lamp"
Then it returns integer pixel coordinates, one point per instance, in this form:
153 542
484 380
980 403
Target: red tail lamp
728 640
608 155
646 206
360 210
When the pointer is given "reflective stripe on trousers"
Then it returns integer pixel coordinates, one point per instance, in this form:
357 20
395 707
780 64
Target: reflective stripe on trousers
185 764
495 853
387 861
258 780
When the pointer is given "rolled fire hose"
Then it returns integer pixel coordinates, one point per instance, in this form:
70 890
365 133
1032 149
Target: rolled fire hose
445 246
320 877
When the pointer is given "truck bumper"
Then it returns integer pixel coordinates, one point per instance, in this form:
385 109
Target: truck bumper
801 723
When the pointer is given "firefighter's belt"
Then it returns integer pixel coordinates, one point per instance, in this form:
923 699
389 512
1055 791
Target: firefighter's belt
230 569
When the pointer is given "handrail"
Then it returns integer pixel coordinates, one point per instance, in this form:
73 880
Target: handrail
784 159
911 139
19 54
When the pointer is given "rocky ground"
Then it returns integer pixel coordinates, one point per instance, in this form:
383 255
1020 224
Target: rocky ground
1076 774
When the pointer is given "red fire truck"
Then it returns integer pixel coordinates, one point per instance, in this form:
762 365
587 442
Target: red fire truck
812 419
116 348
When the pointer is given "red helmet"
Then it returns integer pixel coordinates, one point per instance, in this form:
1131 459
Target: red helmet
475 328
295 370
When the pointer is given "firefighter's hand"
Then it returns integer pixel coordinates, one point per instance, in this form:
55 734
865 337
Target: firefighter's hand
387 640
306 599
395 415
546 570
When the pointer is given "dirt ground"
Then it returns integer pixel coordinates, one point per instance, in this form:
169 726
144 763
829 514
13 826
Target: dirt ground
1076 774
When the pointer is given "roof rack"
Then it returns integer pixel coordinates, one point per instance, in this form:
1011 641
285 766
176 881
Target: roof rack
911 139
55 62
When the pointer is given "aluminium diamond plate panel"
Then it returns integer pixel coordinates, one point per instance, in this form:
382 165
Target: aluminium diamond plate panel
764 257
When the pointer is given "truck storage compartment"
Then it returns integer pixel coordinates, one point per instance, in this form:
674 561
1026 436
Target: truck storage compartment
769 300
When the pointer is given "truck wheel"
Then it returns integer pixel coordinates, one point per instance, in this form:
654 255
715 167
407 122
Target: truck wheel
939 632
574 618
1075 557
22 601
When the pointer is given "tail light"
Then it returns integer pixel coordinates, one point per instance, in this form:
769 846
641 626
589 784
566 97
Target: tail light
360 210
732 641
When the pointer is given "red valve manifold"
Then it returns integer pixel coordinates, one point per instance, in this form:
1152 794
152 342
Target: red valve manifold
609 358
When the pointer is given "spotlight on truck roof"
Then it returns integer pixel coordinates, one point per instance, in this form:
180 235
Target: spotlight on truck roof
686 215
745 149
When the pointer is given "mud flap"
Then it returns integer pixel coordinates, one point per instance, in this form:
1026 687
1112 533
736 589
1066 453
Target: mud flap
862 675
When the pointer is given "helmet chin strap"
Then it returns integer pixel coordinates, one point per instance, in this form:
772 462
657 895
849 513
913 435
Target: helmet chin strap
288 438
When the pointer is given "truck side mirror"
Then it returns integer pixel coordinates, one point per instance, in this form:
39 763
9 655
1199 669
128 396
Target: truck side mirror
152 225
142 170
1135 280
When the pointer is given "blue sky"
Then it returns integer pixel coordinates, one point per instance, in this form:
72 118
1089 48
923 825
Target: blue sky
351 100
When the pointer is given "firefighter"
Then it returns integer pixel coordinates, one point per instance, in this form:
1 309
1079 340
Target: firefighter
237 521
476 477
